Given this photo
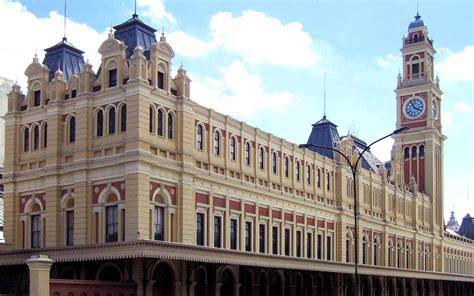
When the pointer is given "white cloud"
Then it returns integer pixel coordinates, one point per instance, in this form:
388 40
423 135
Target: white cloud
382 150
239 93
258 38
457 66
32 34
463 107
187 45
446 118
390 60
155 10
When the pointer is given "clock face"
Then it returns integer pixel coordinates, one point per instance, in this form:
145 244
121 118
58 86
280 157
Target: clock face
414 107
434 110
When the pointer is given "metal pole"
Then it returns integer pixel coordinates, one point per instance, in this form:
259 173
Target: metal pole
356 203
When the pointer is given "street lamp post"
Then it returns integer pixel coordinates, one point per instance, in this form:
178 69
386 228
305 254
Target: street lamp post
356 203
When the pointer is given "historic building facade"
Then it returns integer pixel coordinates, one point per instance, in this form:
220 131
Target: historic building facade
132 188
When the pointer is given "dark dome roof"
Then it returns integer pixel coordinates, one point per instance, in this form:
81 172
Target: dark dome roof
418 22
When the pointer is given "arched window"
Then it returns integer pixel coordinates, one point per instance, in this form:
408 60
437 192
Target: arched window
217 143
45 135
287 167
199 137
232 148
377 250
111 121
408 255
415 38
415 67
390 253
170 125
365 249
399 255
413 152
36 137
274 162
26 139
123 118
422 151
160 122
407 153
261 158
247 153
298 171
72 129
100 124
308 174
152 116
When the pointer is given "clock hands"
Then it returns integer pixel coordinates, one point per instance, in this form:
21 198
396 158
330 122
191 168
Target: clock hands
415 107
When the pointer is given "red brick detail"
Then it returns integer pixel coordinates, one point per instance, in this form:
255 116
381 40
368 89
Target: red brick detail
310 221
276 214
249 208
64 191
263 211
330 225
66 115
97 189
219 201
235 205
320 223
202 198
288 217
299 219
25 198
80 287
171 190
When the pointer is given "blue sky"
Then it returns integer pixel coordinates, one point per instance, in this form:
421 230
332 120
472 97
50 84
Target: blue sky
263 62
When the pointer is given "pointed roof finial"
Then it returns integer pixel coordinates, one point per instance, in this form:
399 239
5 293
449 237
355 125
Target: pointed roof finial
163 38
135 15
324 95
65 13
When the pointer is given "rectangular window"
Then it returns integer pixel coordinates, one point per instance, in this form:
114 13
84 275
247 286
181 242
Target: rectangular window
287 242
415 68
262 237
200 229
37 98
217 231
248 236
298 243
320 246
35 231
73 93
161 80
328 248
309 245
112 77
275 240
111 225
348 250
70 228
233 234
159 223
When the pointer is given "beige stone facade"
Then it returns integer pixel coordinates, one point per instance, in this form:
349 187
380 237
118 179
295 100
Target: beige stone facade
123 164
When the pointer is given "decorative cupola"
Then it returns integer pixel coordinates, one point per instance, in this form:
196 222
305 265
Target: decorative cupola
15 98
161 54
59 86
113 68
63 56
86 78
134 32
138 65
182 83
38 77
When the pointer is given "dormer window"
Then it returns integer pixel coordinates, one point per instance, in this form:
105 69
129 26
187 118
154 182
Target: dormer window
112 77
415 38
161 80
37 98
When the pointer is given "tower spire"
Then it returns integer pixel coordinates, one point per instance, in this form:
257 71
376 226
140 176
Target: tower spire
324 96
135 15
65 12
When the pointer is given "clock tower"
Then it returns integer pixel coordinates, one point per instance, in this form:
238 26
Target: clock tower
419 107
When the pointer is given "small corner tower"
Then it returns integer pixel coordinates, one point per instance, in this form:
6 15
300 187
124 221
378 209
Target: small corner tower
419 107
